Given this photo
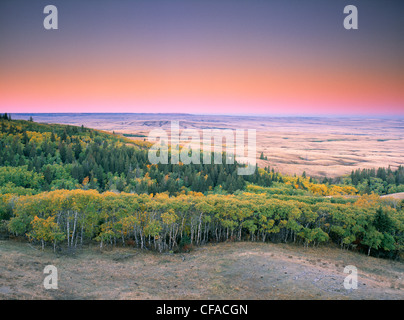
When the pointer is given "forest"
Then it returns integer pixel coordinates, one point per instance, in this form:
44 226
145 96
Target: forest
65 186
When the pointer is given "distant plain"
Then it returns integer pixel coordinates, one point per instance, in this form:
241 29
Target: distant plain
320 146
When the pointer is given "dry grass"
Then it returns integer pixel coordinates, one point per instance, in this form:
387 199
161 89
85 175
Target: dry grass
223 271
396 196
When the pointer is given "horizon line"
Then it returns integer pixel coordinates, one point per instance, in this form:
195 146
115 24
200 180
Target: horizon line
224 114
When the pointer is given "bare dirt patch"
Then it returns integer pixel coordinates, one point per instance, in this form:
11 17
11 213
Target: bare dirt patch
222 271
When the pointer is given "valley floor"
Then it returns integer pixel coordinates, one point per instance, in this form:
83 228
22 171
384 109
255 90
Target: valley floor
320 146
217 271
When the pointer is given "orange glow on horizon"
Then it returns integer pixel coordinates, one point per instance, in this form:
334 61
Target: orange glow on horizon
254 86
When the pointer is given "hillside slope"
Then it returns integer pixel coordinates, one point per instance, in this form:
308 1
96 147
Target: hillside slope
224 271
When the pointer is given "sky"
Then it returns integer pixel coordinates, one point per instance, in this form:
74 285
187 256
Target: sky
286 57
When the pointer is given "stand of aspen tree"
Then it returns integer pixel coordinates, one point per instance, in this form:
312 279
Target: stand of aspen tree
164 223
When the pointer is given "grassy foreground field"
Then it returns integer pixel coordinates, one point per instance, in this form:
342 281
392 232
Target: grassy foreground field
222 271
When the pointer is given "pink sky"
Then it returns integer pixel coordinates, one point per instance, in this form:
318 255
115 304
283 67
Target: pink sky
262 57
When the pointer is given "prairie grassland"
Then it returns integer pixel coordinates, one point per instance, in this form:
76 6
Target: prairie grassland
396 196
320 146
222 271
